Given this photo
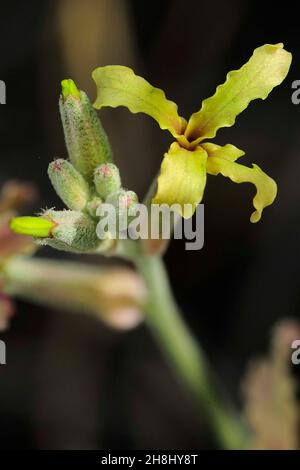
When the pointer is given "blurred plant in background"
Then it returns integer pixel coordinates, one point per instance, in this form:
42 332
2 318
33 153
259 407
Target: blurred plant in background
13 196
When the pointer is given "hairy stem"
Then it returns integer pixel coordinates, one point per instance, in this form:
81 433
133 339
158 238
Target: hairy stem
186 356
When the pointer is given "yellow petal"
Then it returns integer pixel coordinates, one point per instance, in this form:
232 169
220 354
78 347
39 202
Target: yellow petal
182 179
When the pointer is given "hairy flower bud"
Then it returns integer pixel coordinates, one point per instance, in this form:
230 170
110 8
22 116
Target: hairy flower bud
107 179
69 184
86 141
93 206
123 201
73 231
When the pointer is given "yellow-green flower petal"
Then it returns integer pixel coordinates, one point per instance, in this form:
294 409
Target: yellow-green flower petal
266 188
266 69
182 179
228 151
34 226
119 86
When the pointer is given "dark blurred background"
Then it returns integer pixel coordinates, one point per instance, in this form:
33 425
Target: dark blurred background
72 382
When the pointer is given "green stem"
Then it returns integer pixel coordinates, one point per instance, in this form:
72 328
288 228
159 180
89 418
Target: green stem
186 356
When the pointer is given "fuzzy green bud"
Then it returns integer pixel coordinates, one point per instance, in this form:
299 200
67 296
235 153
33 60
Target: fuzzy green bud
107 179
74 231
69 184
93 205
123 201
86 140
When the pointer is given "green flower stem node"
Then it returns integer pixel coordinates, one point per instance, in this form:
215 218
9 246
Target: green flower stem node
69 184
33 226
74 231
86 140
107 179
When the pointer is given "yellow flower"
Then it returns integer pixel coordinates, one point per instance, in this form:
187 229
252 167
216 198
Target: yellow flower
184 168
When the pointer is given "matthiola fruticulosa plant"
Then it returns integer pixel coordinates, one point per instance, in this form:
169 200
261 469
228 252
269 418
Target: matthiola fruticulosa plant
90 178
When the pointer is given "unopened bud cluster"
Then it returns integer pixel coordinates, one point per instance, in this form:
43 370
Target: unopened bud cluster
83 182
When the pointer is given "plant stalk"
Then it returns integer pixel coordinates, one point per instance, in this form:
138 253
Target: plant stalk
185 355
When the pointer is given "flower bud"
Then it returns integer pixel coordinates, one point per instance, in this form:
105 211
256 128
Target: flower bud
107 179
34 226
86 140
93 205
122 200
73 231
69 184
